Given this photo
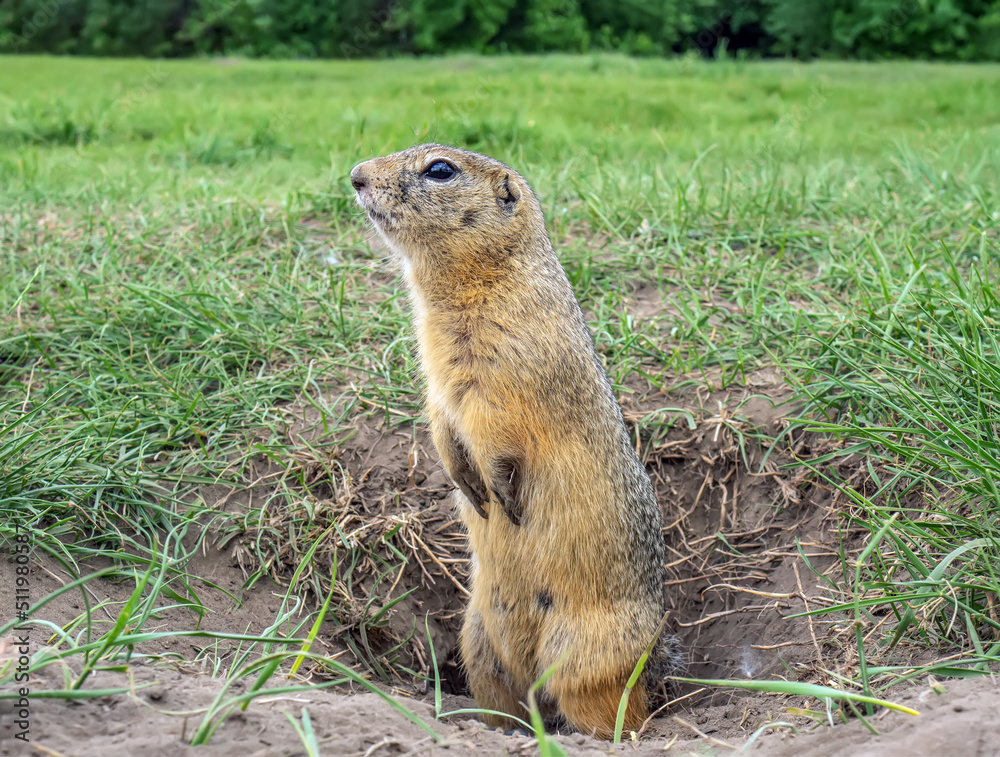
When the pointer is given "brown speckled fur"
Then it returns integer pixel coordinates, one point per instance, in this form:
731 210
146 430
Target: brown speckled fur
562 520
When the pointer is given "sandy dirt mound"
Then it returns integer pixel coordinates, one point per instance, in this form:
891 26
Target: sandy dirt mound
156 722
962 721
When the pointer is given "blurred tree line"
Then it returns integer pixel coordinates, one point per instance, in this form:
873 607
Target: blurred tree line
866 29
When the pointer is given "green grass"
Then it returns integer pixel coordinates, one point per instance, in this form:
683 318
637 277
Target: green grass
181 259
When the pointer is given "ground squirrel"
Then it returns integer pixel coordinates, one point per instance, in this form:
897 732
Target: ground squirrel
567 551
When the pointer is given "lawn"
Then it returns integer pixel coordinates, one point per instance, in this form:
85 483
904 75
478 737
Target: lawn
181 263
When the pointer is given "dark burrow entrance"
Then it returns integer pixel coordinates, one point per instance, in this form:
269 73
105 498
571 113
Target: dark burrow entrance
745 536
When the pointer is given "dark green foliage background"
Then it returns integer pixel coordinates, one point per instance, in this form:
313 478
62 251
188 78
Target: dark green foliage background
967 30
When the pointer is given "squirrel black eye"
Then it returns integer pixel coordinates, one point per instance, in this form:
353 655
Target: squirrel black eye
440 171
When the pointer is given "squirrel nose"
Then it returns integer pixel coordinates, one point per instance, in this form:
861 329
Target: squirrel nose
358 180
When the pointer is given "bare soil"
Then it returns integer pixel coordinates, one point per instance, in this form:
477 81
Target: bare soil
738 526
155 723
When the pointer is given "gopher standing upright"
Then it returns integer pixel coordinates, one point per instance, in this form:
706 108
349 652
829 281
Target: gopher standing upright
562 519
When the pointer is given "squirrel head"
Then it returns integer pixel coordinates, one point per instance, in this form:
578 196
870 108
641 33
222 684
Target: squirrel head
449 211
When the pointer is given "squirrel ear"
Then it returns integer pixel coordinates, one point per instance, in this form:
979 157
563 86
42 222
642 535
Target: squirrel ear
507 194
